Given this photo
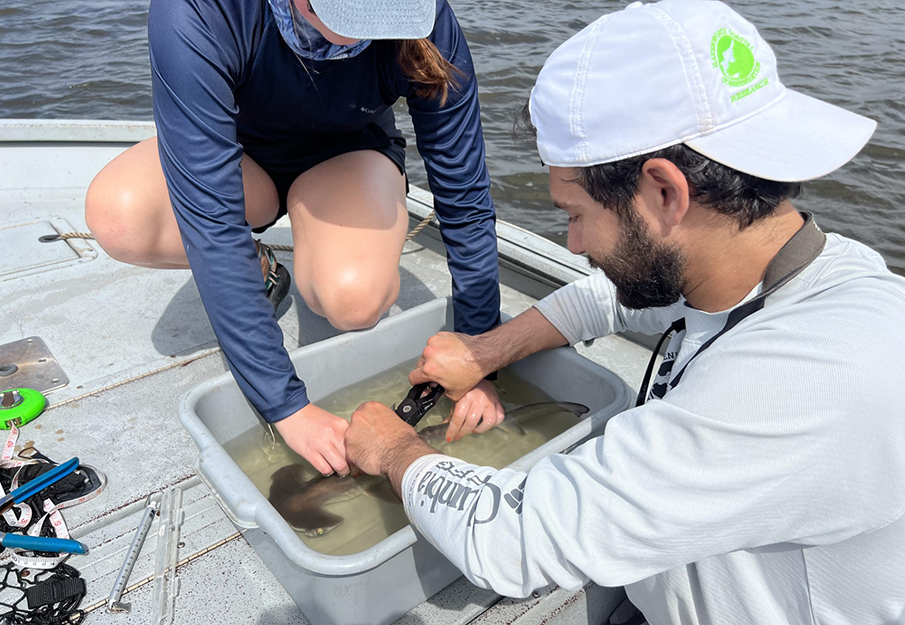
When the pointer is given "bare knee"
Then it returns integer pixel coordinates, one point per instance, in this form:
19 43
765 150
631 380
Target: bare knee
353 301
113 217
104 218
127 209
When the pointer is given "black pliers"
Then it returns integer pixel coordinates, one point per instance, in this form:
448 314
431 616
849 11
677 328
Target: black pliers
419 400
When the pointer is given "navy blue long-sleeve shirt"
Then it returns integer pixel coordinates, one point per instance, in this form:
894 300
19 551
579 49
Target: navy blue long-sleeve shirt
225 83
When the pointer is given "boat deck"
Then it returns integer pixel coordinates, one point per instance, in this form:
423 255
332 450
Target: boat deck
132 341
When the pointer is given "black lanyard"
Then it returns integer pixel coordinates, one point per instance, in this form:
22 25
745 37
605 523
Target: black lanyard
798 252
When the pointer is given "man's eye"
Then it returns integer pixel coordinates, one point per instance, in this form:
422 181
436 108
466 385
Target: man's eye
572 219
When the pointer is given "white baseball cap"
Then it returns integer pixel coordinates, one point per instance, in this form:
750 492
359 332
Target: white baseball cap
685 71
377 19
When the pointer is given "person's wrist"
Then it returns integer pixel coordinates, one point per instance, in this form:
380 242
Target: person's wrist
285 421
482 356
486 357
401 456
282 423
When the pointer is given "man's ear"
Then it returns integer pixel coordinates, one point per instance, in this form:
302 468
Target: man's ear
665 191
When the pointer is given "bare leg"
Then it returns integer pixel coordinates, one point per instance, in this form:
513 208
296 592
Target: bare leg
128 207
348 226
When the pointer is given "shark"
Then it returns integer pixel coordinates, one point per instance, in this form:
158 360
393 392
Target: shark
302 501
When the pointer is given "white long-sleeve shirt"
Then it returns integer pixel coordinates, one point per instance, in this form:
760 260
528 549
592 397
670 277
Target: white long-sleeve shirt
768 487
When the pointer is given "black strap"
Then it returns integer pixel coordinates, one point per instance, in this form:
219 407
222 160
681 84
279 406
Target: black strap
53 590
677 326
792 258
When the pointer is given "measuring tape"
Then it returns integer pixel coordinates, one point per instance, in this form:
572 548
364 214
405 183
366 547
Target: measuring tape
26 405
23 518
8 461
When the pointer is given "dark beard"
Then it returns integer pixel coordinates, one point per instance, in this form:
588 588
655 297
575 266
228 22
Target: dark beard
646 274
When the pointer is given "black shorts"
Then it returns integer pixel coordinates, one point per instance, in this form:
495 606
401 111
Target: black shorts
287 163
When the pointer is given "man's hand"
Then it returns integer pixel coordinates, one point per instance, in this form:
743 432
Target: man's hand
452 360
380 443
317 436
478 411
459 361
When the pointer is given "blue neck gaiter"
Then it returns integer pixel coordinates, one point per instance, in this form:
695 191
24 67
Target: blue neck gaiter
304 39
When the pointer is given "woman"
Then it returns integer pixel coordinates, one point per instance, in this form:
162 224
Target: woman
262 109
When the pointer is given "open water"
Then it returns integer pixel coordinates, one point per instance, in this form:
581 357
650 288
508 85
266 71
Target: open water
89 59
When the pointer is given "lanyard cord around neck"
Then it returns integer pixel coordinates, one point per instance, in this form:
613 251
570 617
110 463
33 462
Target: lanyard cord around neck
798 252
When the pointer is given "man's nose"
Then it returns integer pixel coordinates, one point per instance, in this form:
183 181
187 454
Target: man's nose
574 242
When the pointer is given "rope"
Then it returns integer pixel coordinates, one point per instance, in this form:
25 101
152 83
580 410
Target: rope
279 248
97 391
420 226
75 235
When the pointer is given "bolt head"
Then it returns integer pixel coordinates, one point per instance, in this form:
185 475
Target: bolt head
8 399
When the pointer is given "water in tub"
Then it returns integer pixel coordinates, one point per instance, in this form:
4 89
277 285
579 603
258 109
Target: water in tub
340 516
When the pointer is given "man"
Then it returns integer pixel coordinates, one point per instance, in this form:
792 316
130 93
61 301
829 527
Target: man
762 477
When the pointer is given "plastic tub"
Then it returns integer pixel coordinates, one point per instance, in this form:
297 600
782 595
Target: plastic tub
382 583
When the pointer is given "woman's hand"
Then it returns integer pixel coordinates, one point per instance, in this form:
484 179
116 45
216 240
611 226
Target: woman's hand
478 411
317 436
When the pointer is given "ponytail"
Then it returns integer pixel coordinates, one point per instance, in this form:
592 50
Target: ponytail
423 64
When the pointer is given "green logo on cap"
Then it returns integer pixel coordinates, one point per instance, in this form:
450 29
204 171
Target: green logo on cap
734 57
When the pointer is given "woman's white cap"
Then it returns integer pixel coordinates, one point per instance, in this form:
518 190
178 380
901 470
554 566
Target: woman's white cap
685 71
377 19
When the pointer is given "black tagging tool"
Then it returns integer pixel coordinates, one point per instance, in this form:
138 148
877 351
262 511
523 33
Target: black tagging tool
419 400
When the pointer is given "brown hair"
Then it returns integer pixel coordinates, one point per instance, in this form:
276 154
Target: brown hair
422 63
